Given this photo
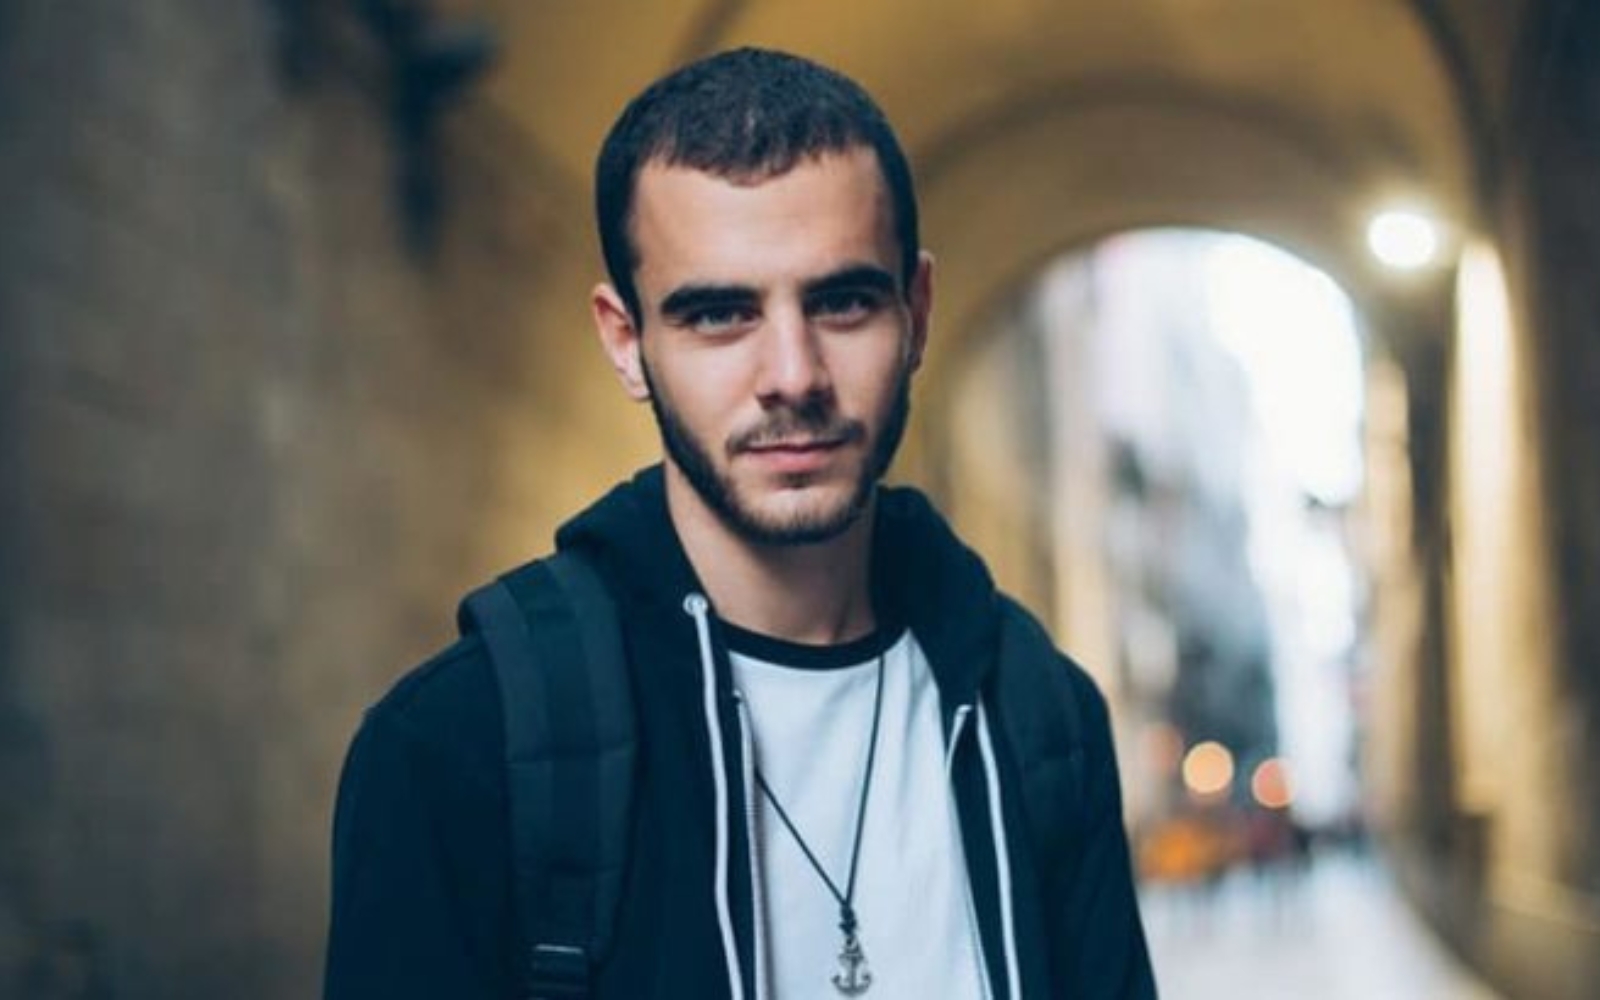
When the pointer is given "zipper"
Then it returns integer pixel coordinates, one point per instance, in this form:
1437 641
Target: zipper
697 607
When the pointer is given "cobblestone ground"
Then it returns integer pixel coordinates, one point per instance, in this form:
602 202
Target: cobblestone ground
1338 931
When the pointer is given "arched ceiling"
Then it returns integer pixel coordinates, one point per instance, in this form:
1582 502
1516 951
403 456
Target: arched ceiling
1034 125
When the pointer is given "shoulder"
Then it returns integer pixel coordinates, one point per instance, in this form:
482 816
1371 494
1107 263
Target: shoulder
1046 696
446 707
1056 721
1028 652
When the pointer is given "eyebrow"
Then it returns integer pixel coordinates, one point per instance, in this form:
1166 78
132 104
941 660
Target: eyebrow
688 298
868 277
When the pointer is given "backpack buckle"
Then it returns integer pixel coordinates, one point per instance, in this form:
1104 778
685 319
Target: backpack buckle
558 972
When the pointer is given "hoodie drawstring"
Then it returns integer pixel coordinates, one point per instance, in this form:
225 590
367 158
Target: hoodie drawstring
956 725
1002 857
698 608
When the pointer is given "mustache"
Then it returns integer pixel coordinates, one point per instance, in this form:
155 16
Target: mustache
806 424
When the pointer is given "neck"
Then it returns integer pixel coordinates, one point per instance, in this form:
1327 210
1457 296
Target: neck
817 593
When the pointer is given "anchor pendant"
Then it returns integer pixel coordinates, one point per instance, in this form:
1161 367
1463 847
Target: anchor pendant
853 976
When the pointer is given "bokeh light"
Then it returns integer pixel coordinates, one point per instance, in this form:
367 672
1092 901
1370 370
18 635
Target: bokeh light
1208 768
1269 784
1403 239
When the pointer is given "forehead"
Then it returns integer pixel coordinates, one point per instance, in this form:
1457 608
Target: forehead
827 211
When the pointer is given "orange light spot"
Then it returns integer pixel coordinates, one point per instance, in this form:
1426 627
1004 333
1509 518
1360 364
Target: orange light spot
1270 784
1208 768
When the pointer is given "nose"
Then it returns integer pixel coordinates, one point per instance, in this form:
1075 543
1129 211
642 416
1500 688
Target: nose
794 367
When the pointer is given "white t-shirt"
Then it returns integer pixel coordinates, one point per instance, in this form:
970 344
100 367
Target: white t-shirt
811 714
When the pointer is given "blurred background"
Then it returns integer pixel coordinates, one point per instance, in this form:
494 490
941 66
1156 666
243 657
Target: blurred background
1266 362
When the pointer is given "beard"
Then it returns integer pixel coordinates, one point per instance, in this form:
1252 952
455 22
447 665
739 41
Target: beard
814 418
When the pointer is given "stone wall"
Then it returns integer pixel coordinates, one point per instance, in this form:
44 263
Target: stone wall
1554 179
1541 927
1512 878
253 446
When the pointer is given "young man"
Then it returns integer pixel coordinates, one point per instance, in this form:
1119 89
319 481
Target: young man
831 795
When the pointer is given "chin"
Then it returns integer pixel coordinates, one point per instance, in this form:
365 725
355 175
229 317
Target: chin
781 520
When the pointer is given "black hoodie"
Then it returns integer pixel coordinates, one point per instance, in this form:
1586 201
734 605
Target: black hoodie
422 905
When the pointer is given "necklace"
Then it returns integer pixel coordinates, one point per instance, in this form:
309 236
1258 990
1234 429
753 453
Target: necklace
854 975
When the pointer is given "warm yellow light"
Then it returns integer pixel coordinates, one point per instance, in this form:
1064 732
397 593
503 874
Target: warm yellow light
1403 239
1270 784
1491 512
1208 768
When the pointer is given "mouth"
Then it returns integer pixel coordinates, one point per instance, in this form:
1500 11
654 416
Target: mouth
795 444
795 456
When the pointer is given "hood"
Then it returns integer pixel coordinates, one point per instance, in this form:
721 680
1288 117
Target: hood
628 535
922 574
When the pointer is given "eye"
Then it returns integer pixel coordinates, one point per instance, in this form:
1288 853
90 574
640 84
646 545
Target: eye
846 307
718 318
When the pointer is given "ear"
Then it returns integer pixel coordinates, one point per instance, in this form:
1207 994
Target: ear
920 299
620 338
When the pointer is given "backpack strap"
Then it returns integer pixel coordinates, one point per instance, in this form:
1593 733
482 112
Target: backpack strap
554 639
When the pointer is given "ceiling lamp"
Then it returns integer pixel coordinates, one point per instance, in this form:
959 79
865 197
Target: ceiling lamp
1403 239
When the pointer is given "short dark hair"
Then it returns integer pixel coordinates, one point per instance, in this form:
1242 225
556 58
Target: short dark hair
747 114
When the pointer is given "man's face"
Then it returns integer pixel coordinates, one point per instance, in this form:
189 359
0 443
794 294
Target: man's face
776 343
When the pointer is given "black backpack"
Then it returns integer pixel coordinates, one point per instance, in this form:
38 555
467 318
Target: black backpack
553 635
